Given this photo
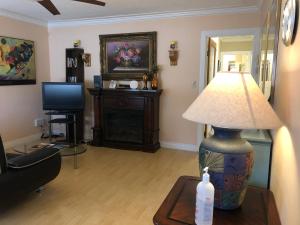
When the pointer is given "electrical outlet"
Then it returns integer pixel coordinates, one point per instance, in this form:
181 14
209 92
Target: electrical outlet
38 122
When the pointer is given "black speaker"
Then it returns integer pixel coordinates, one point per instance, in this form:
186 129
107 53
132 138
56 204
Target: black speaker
97 81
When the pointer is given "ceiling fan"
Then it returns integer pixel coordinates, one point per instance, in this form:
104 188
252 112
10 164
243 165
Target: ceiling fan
52 9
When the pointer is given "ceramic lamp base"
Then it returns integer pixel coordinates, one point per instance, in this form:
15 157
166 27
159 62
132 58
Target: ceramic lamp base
230 162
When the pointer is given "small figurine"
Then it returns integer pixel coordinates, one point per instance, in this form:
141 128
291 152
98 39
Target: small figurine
145 79
154 82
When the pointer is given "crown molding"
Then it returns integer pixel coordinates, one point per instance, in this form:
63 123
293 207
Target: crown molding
22 18
149 16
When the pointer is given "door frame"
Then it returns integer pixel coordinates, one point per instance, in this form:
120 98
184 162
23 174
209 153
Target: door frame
211 43
203 58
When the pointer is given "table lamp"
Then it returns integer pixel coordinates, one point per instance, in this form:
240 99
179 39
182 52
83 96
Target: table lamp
230 103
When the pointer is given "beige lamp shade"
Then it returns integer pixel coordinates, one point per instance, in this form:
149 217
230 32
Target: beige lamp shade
233 100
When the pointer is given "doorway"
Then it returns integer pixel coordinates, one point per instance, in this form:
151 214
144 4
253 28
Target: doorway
212 58
228 54
227 51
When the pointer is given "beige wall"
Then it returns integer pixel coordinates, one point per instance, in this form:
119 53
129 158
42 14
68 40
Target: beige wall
236 46
285 182
176 80
20 105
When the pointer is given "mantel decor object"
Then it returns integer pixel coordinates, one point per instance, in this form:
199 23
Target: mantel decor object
127 56
113 84
134 84
230 103
145 79
154 81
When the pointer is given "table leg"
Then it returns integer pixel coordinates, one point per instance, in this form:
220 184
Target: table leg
50 129
75 144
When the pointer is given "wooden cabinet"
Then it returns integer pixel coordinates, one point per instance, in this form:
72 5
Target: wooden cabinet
126 119
262 144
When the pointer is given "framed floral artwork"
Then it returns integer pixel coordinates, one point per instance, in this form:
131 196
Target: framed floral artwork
17 61
127 56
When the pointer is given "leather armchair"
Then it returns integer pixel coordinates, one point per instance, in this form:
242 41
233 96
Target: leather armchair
24 173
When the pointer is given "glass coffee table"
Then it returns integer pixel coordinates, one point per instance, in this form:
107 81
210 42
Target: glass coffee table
65 149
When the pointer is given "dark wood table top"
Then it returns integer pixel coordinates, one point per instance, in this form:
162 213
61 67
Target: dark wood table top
179 207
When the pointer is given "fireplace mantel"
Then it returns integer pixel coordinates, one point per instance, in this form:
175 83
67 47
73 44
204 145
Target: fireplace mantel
126 119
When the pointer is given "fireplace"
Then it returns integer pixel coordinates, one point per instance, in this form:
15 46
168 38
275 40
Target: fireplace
124 126
126 119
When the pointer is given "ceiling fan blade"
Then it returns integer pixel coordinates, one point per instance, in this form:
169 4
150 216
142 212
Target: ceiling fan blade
94 2
49 6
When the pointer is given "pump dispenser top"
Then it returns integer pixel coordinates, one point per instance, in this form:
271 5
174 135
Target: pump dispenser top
205 176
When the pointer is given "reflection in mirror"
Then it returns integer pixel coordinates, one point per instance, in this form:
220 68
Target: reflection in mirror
229 54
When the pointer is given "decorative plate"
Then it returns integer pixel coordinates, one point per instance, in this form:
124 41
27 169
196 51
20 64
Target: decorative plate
134 84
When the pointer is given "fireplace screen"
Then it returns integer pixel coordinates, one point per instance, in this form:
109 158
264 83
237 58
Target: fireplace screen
124 126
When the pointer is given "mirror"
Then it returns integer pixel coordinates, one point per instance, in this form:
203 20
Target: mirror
269 48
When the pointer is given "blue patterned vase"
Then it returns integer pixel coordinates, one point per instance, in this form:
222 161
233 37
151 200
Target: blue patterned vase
230 162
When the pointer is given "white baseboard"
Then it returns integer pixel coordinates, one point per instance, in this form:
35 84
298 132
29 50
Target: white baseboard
179 146
164 144
23 140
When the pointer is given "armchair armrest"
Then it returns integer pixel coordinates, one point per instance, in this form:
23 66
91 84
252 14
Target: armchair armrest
33 158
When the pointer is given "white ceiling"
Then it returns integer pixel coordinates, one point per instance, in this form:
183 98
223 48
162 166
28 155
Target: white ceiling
71 10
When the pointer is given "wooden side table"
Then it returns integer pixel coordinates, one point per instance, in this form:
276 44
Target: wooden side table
179 207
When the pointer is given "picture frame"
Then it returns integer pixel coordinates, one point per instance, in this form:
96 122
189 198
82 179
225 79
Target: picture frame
17 61
127 56
86 58
112 84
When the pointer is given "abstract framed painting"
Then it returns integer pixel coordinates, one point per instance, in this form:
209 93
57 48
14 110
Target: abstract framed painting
127 56
17 61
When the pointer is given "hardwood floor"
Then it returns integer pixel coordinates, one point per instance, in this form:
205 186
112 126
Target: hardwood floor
111 187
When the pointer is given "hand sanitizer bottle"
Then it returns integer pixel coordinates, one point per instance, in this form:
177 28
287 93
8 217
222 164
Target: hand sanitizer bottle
204 201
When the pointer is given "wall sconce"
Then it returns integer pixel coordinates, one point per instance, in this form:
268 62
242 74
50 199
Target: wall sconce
86 58
173 53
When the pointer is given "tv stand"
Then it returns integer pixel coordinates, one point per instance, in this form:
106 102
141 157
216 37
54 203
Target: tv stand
63 112
69 120
70 115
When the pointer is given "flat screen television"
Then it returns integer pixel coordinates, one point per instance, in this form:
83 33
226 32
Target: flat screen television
62 96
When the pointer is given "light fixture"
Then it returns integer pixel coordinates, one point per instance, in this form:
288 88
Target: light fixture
173 53
230 103
289 17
